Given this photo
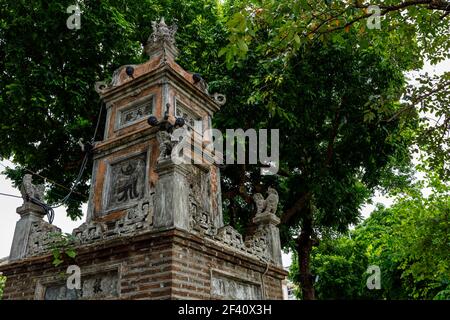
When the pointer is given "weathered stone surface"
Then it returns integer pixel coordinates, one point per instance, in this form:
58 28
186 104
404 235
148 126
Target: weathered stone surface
159 223
166 145
31 236
162 39
103 285
135 113
170 264
126 182
231 288
268 205
40 239
29 190
136 219
172 196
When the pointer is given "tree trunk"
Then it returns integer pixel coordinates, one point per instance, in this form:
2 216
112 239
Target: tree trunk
304 248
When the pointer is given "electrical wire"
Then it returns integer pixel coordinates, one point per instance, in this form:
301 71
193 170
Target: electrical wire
44 178
50 209
83 164
9 195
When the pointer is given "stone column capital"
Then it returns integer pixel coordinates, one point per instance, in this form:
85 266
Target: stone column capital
266 219
168 166
31 209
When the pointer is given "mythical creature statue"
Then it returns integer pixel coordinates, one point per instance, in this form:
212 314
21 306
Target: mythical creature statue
166 144
268 205
161 32
30 191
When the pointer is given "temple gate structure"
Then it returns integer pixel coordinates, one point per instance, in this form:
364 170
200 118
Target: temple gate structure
154 229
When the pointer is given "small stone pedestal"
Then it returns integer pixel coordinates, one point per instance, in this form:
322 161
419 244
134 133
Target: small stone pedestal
267 224
30 213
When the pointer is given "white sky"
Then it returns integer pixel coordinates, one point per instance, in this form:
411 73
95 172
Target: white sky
9 217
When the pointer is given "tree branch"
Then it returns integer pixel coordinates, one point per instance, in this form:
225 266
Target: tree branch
439 5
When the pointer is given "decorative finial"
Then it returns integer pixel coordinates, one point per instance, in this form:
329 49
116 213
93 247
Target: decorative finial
162 37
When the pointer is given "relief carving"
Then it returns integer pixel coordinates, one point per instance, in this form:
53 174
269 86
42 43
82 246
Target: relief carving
200 219
137 218
135 113
268 205
127 181
231 236
103 285
40 240
166 144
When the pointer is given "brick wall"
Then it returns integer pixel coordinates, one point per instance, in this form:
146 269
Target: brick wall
170 264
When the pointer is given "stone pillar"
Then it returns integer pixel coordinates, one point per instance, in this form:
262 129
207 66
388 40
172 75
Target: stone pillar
267 223
171 196
29 214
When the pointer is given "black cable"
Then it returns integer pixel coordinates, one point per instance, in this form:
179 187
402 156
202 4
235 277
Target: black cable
49 209
84 163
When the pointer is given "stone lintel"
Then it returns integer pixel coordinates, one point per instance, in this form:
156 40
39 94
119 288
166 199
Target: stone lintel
168 167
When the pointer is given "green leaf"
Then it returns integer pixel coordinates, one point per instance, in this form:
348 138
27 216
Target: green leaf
71 253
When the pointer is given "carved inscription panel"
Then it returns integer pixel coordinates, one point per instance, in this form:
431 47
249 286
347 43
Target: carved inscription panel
135 113
192 122
127 181
230 288
97 286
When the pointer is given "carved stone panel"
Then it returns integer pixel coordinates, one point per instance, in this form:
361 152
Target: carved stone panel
192 122
135 112
126 182
104 285
230 288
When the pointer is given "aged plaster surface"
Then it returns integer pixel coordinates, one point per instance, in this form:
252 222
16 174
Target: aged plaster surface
232 288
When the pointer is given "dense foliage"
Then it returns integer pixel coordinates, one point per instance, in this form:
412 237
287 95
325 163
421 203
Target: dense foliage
409 242
325 194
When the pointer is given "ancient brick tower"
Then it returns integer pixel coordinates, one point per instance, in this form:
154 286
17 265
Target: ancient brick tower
154 229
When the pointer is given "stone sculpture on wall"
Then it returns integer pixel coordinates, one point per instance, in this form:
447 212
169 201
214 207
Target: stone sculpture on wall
31 191
165 145
137 218
128 177
31 236
268 205
161 32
